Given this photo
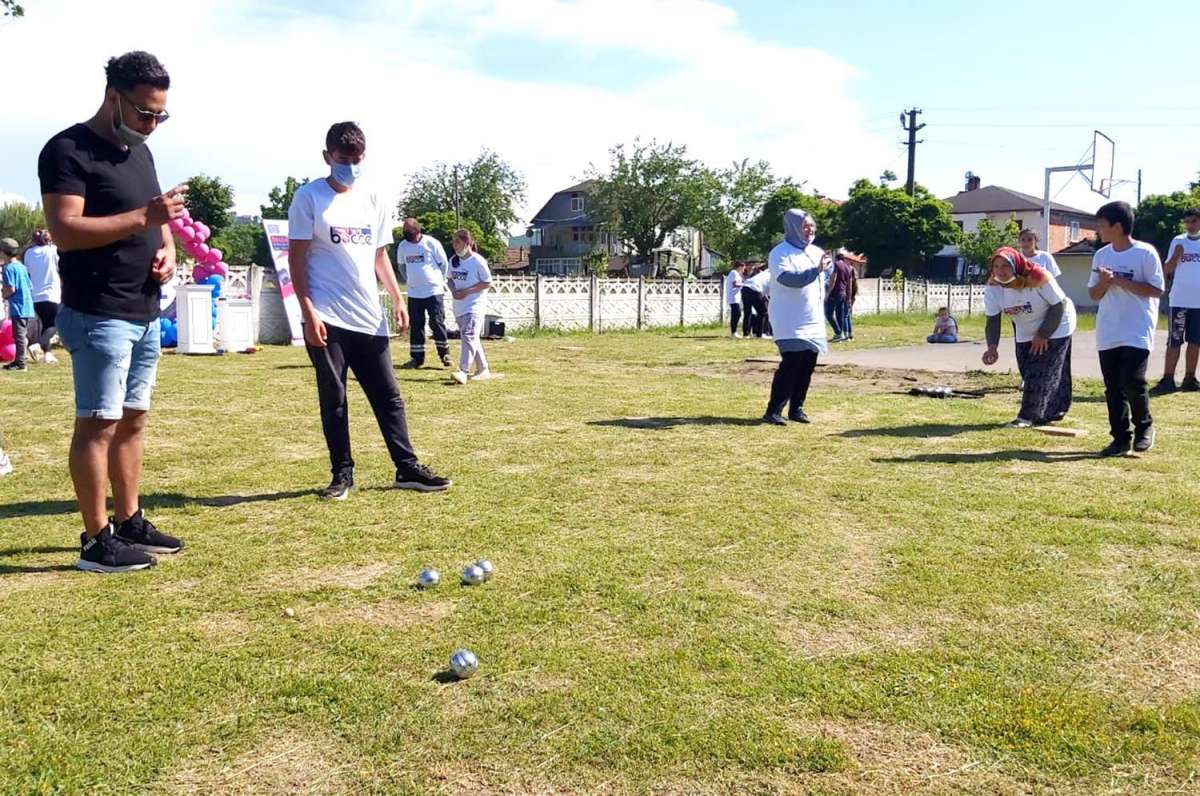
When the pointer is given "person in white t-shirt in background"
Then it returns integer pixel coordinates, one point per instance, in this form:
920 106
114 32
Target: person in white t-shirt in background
470 280
754 303
338 234
1044 320
1183 314
42 261
1127 281
733 295
426 267
1029 248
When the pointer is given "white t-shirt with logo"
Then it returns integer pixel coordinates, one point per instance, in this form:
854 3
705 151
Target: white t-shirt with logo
1125 319
1027 308
465 273
42 262
346 230
1046 260
733 287
760 282
425 266
1185 289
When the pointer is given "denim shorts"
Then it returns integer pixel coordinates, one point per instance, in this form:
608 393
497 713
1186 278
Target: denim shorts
114 362
1183 326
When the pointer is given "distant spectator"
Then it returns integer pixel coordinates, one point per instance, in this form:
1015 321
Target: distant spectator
733 295
945 328
754 303
1029 248
42 261
19 294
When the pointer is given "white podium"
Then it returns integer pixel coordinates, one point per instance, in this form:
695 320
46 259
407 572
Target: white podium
193 311
235 322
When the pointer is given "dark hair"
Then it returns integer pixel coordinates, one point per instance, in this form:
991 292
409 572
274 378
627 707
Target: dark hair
466 237
347 138
1028 231
943 309
1192 212
1117 213
137 68
839 256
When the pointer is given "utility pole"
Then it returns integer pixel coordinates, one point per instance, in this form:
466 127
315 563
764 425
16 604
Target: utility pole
1139 204
911 127
457 221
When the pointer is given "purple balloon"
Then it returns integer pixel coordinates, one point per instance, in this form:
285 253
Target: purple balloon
202 251
176 224
186 234
214 256
202 231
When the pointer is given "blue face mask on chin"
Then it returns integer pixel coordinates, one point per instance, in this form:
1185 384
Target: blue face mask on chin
346 173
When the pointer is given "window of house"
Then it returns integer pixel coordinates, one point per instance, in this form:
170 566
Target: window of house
575 234
535 237
1074 231
576 203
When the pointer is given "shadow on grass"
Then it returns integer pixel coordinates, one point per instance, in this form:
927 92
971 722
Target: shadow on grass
919 430
10 569
445 677
662 423
1044 457
162 500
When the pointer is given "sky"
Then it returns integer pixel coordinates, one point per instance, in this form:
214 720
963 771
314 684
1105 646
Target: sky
816 88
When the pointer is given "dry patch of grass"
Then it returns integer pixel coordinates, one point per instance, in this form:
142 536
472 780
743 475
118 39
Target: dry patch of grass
389 614
349 576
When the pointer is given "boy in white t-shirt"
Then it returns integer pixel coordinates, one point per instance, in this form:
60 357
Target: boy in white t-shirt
470 280
425 270
338 234
733 295
1183 312
1127 281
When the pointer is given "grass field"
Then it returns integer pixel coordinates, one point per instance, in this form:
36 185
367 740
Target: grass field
900 598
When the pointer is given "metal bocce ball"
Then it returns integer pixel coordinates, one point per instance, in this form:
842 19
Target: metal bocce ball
428 578
488 568
464 664
473 575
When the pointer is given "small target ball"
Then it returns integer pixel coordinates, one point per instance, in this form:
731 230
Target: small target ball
289 612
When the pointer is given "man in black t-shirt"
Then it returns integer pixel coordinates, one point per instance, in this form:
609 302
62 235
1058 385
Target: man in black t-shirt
108 215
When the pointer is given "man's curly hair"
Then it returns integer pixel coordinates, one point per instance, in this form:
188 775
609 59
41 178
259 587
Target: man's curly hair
137 68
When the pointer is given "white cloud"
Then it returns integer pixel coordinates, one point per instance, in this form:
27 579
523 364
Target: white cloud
254 89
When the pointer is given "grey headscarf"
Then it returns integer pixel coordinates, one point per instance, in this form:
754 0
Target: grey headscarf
793 228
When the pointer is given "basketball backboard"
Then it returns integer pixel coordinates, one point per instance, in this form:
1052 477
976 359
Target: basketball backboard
1103 151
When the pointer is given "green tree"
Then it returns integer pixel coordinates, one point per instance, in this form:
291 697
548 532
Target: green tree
440 225
280 199
649 191
210 201
888 177
243 244
11 8
745 188
894 229
1159 217
977 247
18 221
486 190
767 229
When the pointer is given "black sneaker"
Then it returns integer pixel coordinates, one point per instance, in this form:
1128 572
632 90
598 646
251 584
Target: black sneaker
1144 441
104 552
774 419
15 366
445 360
798 416
339 487
1189 384
419 477
1021 422
1117 448
139 533
411 364
1166 386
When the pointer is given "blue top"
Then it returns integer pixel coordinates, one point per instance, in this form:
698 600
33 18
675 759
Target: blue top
20 303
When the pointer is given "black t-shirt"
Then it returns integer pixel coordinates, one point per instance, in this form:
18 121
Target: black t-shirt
114 280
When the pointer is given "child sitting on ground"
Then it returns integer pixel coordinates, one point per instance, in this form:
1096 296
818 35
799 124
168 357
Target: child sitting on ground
945 328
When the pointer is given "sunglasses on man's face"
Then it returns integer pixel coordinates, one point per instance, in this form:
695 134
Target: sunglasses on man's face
145 115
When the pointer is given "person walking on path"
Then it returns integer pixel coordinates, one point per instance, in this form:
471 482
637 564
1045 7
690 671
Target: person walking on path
425 269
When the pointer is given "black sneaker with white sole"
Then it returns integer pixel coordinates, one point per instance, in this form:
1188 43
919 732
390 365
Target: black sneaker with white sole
106 553
339 488
139 533
1118 447
1144 440
420 478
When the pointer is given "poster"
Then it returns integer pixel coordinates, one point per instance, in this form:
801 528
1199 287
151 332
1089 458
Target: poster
277 238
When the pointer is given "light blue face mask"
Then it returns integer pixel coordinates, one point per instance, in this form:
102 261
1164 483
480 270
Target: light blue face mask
346 173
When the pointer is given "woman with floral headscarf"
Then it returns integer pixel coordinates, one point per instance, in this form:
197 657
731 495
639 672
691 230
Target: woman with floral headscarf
1044 320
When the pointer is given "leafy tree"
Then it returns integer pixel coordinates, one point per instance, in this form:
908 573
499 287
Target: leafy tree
745 188
210 201
11 8
894 229
767 229
243 244
440 224
1159 217
281 198
888 177
18 221
486 190
650 190
977 247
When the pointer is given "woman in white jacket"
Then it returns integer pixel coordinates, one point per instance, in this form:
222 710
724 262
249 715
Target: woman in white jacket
797 312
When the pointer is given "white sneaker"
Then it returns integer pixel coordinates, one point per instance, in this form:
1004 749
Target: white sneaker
737 335
487 375
35 352
459 376
50 358
6 467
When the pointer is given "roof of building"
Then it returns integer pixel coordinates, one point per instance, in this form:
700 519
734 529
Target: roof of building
996 199
1085 246
542 215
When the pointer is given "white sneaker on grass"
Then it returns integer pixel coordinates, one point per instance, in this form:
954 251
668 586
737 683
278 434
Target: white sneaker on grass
50 359
6 467
487 375
35 352
460 376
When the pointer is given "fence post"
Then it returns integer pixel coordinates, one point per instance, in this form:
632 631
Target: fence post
926 296
641 300
537 301
721 304
683 301
970 300
879 295
594 305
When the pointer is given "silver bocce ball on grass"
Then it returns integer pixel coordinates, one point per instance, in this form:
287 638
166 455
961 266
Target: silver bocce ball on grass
428 578
487 566
473 575
464 664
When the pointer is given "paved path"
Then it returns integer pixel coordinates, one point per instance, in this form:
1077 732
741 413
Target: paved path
965 356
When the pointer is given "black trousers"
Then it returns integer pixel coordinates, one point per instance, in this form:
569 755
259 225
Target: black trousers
755 308
791 382
368 357
735 315
420 309
1124 370
46 312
